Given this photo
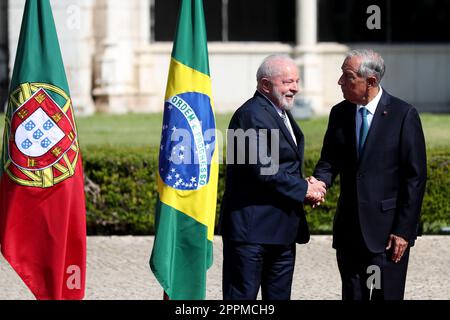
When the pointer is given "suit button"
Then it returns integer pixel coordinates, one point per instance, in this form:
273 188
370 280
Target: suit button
360 175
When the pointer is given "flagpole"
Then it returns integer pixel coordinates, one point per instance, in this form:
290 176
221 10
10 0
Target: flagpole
184 217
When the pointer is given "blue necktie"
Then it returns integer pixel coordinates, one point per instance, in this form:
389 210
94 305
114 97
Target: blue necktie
363 130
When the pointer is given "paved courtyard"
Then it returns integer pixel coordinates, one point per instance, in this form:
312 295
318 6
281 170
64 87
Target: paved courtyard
118 270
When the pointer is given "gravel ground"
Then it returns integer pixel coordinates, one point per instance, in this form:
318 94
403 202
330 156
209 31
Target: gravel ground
118 270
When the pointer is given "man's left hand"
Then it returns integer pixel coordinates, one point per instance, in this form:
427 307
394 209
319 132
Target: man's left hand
398 245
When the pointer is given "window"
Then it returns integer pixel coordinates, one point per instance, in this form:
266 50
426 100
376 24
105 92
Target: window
415 21
261 20
232 20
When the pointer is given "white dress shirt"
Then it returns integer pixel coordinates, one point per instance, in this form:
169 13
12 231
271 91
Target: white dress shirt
371 108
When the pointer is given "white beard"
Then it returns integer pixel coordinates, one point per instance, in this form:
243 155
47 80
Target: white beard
283 103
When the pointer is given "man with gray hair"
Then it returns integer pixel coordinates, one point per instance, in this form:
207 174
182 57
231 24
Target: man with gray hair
375 143
262 214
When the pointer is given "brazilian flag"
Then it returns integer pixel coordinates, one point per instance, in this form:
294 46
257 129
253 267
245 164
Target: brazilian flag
188 165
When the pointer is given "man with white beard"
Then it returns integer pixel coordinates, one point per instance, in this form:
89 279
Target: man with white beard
262 214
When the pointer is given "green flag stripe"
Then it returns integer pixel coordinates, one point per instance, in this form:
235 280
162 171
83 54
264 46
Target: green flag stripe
190 46
181 254
38 57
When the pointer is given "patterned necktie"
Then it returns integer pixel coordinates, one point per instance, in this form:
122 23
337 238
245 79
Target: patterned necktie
286 122
363 130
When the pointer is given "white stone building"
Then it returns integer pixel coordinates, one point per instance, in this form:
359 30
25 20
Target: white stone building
117 52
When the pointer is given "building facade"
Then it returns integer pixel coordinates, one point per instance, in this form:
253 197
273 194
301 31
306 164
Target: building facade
117 52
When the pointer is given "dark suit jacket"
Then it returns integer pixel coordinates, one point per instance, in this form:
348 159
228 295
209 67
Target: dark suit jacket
382 192
258 208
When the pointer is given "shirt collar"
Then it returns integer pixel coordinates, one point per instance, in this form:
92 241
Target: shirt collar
372 105
279 110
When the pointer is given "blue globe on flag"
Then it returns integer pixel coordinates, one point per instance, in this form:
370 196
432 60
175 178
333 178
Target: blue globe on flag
188 141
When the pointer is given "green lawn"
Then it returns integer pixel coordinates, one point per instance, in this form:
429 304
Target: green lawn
436 129
142 130
134 130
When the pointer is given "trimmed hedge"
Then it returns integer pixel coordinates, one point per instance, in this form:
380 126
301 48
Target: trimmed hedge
121 192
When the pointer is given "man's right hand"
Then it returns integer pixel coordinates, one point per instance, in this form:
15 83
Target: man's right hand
316 192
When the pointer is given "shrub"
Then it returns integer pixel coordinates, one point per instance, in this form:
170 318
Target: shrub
436 204
121 191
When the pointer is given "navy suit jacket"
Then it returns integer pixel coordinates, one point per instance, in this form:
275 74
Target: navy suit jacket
382 191
261 208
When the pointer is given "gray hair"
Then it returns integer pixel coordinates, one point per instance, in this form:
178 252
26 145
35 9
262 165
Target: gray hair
267 69
372 64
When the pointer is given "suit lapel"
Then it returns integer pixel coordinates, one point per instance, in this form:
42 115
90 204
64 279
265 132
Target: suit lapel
298 134
349 131
377 126
352 133
273 113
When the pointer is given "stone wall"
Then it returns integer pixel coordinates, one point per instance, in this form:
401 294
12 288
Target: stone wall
4 55
74 25
112 66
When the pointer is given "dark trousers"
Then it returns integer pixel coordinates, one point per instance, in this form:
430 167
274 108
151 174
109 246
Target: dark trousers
371 276
247 267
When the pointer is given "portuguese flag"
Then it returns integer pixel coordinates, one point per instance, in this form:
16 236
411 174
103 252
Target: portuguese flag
188 165
42 205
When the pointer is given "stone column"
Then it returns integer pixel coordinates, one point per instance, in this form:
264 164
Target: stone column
4 70
307 22
15 12
74 25
120 60
74 22
308 56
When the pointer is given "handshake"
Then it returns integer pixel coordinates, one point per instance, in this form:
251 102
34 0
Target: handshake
316 192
